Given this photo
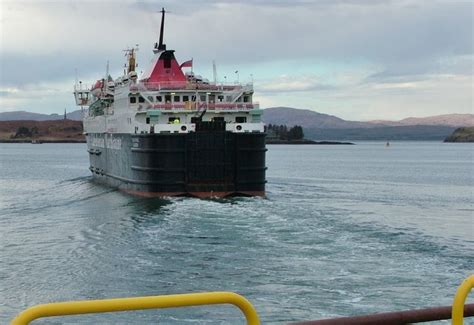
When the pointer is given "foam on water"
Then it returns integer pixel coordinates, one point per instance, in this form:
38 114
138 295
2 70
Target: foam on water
326 242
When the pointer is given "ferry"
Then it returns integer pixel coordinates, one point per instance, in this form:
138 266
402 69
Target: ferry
170 132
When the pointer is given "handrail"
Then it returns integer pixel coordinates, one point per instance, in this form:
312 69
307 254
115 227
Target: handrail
460 299
458 308
456 312
138 303
394 318
211 106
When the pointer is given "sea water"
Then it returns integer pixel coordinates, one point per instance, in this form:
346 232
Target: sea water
344 230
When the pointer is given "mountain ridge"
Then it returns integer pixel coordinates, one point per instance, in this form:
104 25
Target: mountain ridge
30 116
311 119
307 118
291 116
444 119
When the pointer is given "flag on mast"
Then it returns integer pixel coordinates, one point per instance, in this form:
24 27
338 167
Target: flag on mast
187 64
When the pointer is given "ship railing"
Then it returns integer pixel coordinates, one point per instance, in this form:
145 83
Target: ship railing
456 312
193 106
189 86
138 303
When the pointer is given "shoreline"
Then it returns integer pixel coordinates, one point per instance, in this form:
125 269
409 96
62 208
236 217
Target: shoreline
40 141
296 142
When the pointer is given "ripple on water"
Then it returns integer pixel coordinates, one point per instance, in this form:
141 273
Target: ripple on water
320 245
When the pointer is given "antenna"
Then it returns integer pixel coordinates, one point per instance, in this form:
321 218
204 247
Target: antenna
75 85
160 46
106 80
214 71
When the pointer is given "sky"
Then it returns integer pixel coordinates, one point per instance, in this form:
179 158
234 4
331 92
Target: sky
358 60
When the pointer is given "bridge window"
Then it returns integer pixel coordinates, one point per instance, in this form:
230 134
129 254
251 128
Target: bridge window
203 98
220 98
176 99
168 98
246 99
241 119
150 98
141 99
185 98
133 100
159 99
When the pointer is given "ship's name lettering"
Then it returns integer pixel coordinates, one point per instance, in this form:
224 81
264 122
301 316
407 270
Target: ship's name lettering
110 142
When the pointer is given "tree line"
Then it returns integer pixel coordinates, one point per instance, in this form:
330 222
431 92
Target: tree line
282 132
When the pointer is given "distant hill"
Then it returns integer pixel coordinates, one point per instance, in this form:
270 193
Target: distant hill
461 135
44 131
28 116
308 119
318 126
311 119
455 120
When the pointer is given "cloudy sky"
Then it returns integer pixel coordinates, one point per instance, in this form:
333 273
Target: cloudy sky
358 60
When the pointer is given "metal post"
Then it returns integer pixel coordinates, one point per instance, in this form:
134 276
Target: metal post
460 299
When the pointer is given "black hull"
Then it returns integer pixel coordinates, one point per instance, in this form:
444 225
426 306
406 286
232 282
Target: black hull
202 164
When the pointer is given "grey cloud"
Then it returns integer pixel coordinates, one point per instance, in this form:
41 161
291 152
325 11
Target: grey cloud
26 69
384 33
402 37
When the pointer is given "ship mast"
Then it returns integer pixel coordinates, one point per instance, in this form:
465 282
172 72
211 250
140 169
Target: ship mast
160 46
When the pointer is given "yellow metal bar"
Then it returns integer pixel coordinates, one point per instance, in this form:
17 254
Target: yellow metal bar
138 303
457 313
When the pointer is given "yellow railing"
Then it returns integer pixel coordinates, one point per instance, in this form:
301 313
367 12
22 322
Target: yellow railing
186 300
138 303
457 314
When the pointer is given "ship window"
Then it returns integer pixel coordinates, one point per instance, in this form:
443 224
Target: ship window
218 119
246 99
150 98
133 100
141 99
241 119
168 98
185 98
203 98
173 120
159 98
176 99
228 98
220 98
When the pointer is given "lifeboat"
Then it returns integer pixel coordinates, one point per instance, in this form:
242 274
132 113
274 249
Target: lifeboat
96 90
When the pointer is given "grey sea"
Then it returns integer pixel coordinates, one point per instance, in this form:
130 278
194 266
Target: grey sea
345 230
